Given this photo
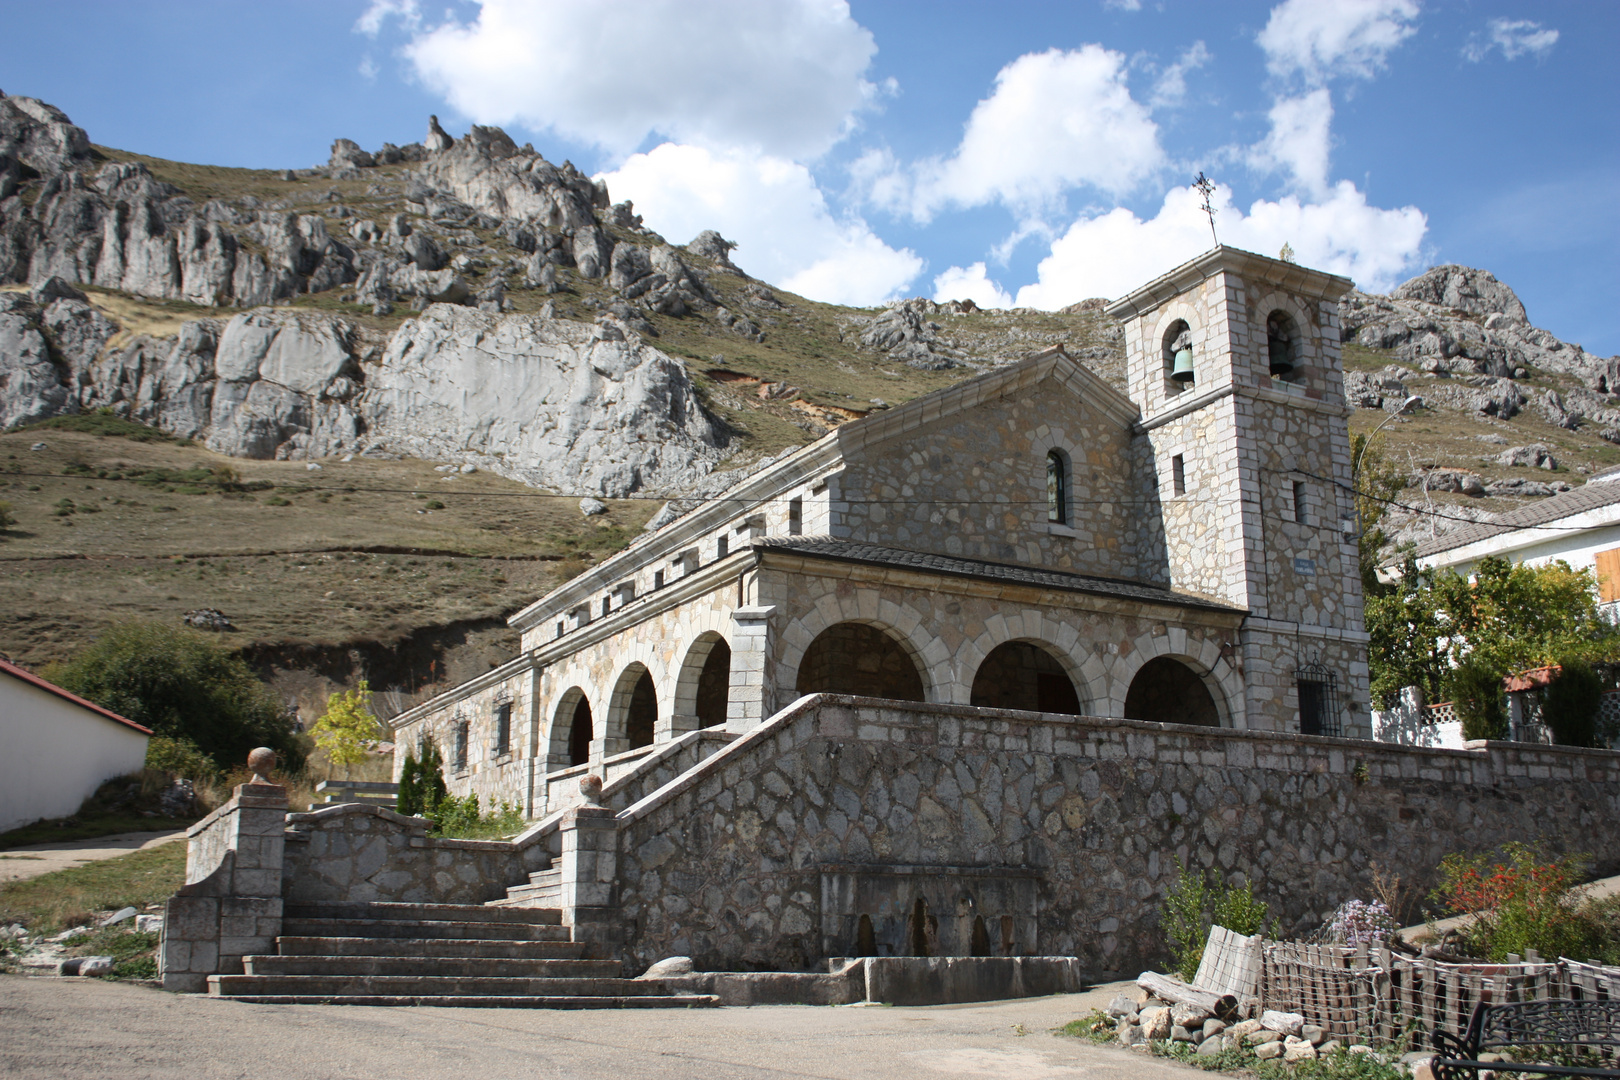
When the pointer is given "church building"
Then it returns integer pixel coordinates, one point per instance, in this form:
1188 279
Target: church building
1030 539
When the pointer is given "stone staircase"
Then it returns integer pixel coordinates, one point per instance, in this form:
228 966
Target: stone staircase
544 890
501 956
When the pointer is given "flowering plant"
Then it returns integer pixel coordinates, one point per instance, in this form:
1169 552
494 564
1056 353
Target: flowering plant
1359 922
1518 904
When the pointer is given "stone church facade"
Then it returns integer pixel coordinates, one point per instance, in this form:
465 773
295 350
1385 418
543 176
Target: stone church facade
1031 539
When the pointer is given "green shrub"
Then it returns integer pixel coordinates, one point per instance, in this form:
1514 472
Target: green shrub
1569 705
1518 904
7 519
183 687
421 783
180 757
1476 693
1192 905
433 504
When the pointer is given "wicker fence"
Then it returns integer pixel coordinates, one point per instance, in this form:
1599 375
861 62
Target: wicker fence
1374 995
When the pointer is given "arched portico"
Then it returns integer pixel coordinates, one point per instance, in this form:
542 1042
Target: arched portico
703 685
632 711
1060 639
929 655
860 658
1024 675
571 730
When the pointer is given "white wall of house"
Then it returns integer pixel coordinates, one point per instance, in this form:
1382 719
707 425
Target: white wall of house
54 753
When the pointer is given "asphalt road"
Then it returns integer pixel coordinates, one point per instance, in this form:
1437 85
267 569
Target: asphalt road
86 1028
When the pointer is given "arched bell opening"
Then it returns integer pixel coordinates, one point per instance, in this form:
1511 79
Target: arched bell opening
1024 675
854 658
1282 346
1176 346
1167 691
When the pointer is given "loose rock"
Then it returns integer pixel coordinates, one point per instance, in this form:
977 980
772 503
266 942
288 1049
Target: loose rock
591 507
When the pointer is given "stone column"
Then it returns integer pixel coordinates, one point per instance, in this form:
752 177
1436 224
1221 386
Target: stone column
752 694
589 870
230 906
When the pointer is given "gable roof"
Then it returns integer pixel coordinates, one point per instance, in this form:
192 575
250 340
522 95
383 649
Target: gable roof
1589 496
1052 363
51 688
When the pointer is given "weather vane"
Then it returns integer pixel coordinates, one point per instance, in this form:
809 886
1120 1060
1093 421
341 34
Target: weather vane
1206 187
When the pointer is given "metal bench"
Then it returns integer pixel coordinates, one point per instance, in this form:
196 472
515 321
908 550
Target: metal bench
1561 1028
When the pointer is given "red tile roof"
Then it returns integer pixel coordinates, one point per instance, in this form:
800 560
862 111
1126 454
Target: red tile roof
29 677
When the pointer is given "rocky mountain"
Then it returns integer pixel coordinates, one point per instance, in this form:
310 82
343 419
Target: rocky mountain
465 300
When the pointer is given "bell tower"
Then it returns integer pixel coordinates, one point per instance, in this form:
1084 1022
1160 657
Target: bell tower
1234 361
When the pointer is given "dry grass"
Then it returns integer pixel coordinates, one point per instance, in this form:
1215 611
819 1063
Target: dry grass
283 573
51 901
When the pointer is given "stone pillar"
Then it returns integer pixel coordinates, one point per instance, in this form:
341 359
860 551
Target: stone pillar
752 695
230 906
589 870
673 726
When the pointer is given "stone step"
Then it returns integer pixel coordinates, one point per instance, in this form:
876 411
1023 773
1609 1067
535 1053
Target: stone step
489 1001
433 966
421 912
413 928
498 948
547 877
448 986
538 895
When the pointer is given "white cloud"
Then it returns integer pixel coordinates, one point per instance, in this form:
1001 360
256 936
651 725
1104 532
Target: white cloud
785 77
1056 120
1300 140
368 68
1515 37
408 12
773 210
970 283
1171 86
1318 39
1110 254
1121 5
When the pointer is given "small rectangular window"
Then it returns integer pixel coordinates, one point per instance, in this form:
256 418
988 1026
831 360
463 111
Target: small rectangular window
658 579
723 548
461 746
795 517
503 728
1302 509
607 606
1178 474
1319 706
560 629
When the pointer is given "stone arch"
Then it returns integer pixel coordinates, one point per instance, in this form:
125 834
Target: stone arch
572 729
1060 639
703 683
929 654
1306 334
1025 675
1173 317
859 658
1167 691
632 719
1200 655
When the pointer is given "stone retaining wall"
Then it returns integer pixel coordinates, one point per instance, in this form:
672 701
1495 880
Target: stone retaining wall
726 865
368 854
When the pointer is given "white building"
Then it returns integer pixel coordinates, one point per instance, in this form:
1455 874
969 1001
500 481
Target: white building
56 748
1581 527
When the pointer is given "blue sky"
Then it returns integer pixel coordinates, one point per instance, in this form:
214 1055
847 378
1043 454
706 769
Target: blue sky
1034 153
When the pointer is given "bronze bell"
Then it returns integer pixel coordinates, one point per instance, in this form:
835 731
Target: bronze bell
1277 347
1183 369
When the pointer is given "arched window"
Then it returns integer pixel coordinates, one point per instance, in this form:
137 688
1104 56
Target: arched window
1057 488
1282 346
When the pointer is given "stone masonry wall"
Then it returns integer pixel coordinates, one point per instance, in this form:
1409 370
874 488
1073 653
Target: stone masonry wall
727 866
360 853
974 485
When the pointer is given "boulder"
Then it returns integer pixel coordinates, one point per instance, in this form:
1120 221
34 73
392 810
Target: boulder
592 507
1122 1004
1155 1023
1267 1051
1534 456
1287 1023
1188 1015
1296 1049
668 968
346 154
1211 1046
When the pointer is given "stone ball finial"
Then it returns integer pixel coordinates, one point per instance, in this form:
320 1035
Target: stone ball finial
590 786
262 761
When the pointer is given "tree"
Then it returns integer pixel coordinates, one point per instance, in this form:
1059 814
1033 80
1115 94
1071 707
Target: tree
1475 689
1376 481
421 784
1502 617
346 726
184 687
1569 705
